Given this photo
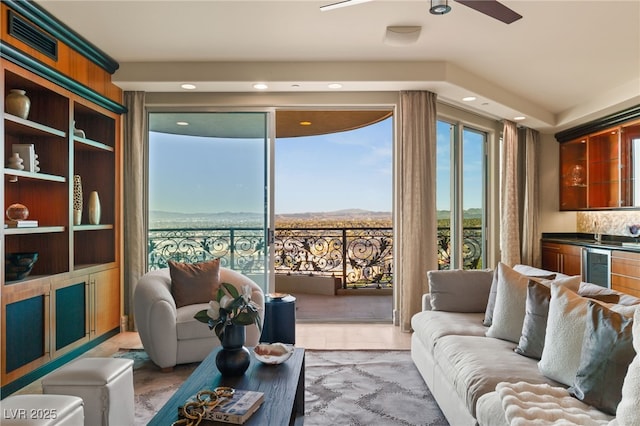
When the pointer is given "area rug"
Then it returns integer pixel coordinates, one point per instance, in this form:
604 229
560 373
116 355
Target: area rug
341 388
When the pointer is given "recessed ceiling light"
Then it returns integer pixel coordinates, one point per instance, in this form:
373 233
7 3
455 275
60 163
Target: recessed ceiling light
182 123
188 86
335 86
305 123
519 118
260 86
295 85
469 98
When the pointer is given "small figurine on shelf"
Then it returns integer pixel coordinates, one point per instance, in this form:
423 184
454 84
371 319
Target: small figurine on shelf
15 162
77 132
36 163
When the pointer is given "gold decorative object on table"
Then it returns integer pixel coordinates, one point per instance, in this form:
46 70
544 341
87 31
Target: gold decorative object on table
222 404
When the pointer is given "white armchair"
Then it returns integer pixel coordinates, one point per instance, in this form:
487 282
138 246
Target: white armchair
173 336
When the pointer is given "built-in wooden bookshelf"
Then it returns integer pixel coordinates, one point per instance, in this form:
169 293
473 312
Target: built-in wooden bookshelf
71 299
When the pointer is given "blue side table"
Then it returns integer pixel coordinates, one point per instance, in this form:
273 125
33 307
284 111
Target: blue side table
279 319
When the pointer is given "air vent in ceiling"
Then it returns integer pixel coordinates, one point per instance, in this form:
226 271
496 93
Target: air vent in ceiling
27 33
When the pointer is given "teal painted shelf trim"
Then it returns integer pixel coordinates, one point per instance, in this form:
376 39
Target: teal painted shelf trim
62 32
28 378
26 61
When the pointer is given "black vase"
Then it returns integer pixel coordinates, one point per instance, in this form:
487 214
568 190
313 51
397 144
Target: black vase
233 359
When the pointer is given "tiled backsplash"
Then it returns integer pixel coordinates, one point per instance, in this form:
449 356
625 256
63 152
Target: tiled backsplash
607 222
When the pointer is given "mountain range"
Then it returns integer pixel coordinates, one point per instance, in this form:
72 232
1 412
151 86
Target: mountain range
165 219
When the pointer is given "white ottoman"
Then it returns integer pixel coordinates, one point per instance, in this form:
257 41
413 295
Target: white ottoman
104 384
41 410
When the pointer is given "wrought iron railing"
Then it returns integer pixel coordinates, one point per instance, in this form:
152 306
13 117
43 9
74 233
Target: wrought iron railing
358 256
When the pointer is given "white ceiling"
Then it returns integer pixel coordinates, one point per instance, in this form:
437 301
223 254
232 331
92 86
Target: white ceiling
563 63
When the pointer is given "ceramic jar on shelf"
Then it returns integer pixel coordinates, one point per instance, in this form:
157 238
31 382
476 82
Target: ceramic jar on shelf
17 103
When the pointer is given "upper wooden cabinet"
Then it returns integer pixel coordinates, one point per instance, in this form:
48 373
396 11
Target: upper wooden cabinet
630 165
600 170
573 175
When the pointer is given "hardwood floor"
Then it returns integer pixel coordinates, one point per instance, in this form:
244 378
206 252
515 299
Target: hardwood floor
332 336
351 336
320 336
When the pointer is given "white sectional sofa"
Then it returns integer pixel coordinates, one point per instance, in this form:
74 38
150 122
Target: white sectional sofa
462 365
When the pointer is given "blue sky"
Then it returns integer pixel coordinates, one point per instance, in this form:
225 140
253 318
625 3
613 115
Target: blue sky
312 174
472 168
338 171
345 170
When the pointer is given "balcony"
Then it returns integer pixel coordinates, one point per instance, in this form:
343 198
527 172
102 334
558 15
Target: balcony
359 257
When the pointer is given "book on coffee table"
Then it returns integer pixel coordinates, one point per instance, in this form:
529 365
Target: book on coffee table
236 409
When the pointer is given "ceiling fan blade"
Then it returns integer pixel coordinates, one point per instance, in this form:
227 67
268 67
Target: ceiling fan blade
342 3
492 8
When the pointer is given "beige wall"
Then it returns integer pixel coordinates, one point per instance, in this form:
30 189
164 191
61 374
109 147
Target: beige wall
551 219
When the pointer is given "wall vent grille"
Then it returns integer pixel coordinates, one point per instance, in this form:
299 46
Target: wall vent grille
27 33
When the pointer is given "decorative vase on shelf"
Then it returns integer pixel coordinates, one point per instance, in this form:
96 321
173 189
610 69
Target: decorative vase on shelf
17 103
77 200
94 208
17 211
233 358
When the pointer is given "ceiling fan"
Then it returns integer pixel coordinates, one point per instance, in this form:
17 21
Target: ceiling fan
492 8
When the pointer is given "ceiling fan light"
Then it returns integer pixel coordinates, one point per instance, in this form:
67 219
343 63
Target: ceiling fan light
439 7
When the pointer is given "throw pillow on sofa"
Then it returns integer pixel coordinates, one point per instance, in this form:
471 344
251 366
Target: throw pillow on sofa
193 283
565 334
511 297
529 271
458 290
607 351
627 413
534 327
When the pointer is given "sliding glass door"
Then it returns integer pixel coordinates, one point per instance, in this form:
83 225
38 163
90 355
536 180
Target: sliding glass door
208 188
461 190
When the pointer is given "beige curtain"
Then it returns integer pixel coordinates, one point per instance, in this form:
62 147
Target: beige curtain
417 252
531 207
509 205
135 219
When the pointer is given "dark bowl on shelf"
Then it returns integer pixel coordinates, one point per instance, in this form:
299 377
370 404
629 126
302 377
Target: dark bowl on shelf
18 265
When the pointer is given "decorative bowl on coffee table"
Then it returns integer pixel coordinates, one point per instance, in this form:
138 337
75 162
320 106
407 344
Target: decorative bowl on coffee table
273 353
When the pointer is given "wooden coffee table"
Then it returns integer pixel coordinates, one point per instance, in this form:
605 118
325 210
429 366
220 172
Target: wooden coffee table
283 387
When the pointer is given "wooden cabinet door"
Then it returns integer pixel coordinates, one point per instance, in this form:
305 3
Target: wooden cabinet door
571 260
106 301
573 175
625 272
70 314
551 257
563 258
